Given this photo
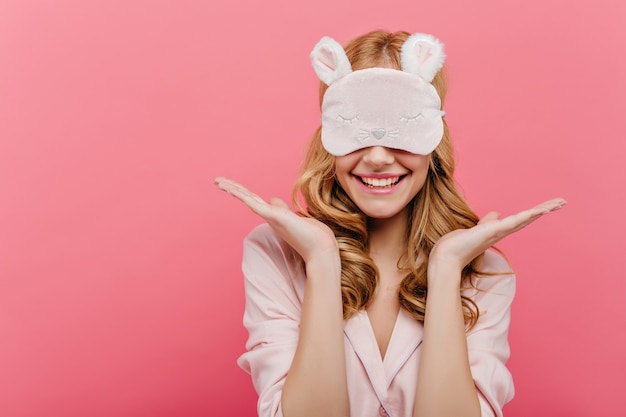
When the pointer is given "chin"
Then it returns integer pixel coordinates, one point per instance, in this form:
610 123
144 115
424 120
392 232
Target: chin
380 214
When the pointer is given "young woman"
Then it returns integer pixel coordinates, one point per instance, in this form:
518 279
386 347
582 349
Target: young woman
382 297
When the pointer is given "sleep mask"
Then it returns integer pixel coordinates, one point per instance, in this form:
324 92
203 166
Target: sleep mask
397 109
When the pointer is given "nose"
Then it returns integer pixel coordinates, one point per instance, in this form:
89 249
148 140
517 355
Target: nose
378 156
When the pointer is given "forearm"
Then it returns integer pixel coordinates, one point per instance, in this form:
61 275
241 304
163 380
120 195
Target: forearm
316 382
445 386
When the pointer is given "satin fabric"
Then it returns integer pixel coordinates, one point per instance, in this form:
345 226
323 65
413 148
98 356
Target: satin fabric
274 284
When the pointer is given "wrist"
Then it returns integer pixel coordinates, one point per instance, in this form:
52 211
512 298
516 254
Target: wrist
324 264
442 272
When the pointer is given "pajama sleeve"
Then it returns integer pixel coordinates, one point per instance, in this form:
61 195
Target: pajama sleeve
488 346
274 286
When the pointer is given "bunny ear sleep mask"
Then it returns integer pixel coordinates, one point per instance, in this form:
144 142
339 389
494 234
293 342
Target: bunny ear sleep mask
381 106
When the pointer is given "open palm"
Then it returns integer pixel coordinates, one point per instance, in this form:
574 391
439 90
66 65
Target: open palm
305 235
462 245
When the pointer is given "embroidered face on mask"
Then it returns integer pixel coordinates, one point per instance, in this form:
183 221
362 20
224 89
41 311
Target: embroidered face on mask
381 106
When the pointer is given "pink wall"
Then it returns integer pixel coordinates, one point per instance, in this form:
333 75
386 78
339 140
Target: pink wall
120 289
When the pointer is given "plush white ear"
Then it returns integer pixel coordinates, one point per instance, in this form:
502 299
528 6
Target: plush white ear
423 55
330 61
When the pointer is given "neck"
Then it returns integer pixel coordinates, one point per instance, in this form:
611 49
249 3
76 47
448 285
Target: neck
387 236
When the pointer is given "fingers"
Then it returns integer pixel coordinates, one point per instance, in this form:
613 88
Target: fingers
229 185
237 190
522 219
253 201
256 203
540 209
551 205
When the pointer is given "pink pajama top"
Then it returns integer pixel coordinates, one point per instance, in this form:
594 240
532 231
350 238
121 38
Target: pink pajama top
274 283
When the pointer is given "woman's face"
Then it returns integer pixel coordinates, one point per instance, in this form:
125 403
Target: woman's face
381 181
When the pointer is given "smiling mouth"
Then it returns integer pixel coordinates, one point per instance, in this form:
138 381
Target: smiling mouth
381 183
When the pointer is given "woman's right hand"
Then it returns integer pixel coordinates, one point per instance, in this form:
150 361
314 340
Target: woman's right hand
307 236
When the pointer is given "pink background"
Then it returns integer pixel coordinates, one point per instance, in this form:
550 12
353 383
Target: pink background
120 287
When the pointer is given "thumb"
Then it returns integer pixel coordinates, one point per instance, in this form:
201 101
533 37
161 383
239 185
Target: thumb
492 215
277 202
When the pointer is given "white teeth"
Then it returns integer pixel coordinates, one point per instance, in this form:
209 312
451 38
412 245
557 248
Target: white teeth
380 182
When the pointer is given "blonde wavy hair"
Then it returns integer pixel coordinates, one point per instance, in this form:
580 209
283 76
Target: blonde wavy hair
436 210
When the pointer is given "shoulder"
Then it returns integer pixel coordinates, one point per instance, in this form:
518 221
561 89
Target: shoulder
264 251
495 277
261 233
495 263
264 238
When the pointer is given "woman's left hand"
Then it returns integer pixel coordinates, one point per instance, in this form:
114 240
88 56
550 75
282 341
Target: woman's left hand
459 247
